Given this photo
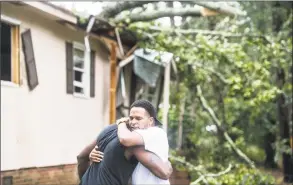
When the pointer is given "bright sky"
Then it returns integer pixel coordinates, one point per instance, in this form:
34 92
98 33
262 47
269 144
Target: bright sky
91 7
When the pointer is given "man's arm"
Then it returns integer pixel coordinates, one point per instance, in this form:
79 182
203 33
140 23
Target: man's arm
83 161
151 161
128 138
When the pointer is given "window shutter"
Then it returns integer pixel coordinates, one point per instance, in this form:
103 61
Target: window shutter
30 62
69 68
92 74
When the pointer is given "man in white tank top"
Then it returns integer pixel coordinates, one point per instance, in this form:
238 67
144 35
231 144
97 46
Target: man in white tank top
142 119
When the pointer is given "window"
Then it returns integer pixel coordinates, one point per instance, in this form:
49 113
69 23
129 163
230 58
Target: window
80 69
80 75
9 50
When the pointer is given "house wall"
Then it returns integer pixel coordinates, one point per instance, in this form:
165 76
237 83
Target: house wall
46 126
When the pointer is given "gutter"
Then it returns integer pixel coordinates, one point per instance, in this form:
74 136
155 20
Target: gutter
88 31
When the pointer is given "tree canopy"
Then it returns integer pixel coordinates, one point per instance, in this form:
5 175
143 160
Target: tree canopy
231 102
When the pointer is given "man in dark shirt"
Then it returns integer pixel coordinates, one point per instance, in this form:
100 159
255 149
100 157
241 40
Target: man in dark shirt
119 163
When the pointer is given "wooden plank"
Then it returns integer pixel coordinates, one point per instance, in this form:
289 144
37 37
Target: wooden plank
15 37
113 83
166 96
126 61
119 42
131 51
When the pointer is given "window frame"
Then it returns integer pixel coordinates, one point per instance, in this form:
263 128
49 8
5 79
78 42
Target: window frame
15 51
85 84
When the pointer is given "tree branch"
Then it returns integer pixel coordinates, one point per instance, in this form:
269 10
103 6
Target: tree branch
225 9
204 32
219 124
219 75
212 175
167 12
189 165
113 9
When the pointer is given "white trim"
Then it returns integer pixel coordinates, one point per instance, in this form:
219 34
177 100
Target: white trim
87 43
10 20
9 84
87 65
52 11
78 69
80 95
78 45
78 84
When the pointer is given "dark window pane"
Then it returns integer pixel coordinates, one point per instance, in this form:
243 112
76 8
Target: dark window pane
5 52
78 90
78 76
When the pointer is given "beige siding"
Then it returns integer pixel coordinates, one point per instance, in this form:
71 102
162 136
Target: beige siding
46 126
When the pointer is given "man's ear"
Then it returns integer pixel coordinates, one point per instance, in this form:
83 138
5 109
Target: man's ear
152 121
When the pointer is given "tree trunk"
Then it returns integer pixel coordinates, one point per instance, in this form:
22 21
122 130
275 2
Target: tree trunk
283 117
155 14
291 138
180 124
113 9
282 109
217 7
269 139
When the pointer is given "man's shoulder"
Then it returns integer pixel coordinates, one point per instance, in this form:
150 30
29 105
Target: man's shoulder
152 132
109 128
157 130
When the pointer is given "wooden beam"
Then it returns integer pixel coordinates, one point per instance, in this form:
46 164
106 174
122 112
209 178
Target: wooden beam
131 51
166 96
113 83
126 61
119 41
15 70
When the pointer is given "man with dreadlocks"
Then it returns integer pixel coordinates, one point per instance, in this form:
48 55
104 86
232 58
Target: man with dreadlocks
130 139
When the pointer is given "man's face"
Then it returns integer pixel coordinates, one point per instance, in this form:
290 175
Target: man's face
139 118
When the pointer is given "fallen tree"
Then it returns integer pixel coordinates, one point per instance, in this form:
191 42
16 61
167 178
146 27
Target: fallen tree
113 11
219 125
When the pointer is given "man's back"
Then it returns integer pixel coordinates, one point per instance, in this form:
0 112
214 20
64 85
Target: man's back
114 169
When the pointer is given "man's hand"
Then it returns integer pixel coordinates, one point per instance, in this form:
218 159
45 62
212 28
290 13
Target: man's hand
123 120
96 156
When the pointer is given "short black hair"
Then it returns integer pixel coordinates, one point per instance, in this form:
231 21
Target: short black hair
148 106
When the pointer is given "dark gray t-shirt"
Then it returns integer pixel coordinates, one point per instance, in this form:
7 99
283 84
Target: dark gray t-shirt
114 169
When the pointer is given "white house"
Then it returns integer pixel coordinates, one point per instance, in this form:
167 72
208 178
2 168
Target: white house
54 93
58 92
